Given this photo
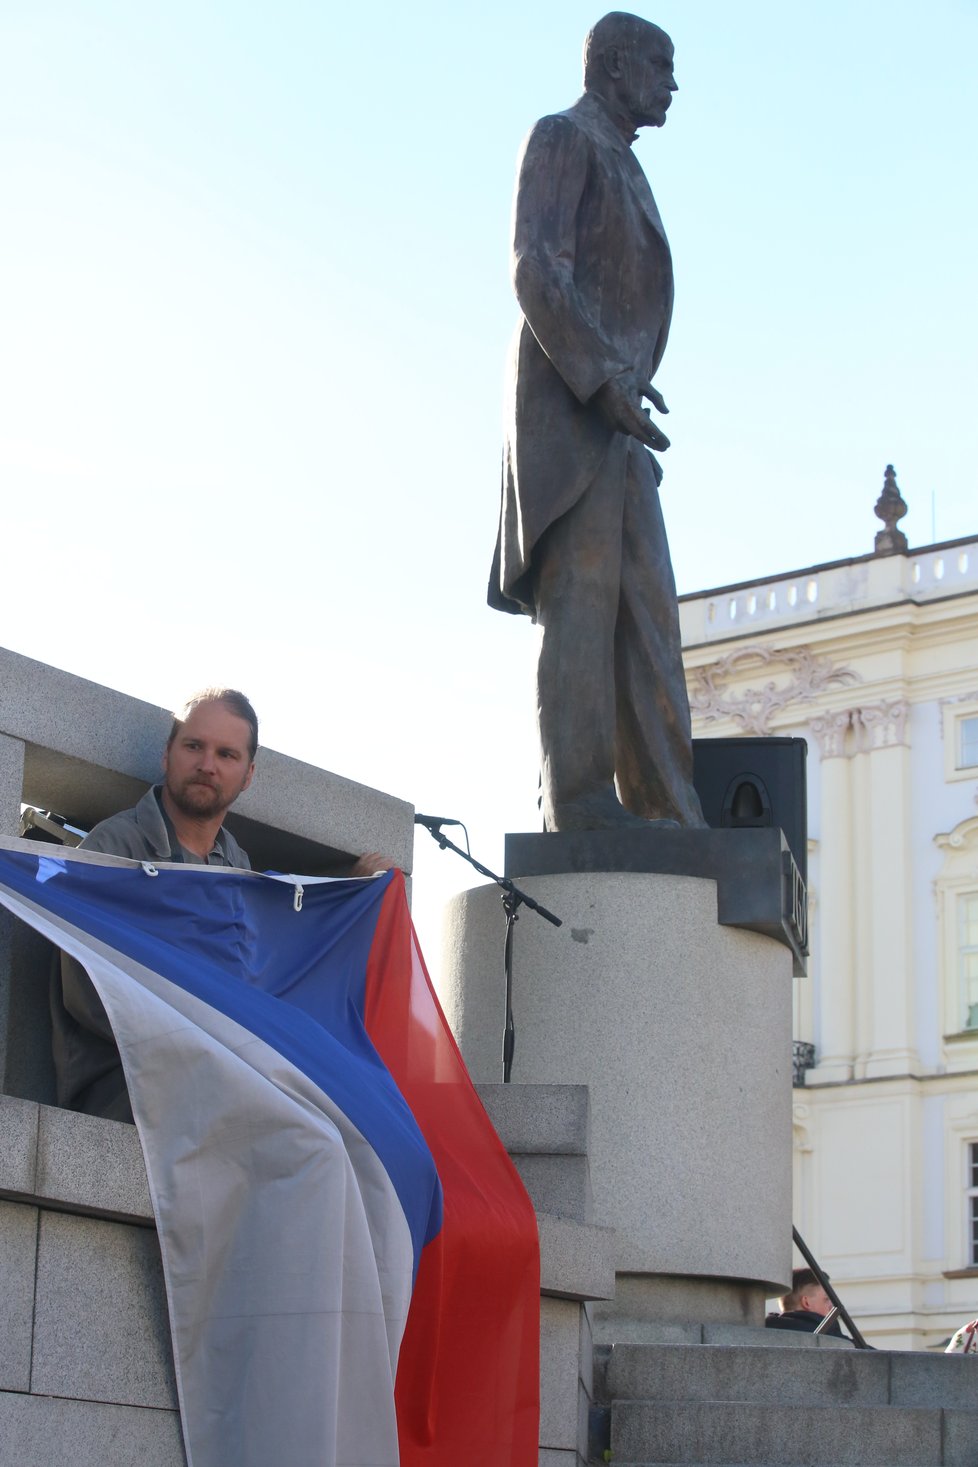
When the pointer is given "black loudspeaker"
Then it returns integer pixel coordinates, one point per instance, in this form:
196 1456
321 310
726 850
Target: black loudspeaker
756 781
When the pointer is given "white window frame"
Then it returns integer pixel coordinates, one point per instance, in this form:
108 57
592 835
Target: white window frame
955 717
971 1203
958 879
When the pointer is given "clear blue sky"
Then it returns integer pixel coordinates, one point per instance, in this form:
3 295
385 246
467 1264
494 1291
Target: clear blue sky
254 306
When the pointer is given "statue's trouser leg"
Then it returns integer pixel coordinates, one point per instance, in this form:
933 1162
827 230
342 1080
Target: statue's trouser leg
654 759
577 566
611 696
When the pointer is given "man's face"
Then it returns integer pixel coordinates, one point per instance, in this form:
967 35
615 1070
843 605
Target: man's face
208 764
647 81
816 1299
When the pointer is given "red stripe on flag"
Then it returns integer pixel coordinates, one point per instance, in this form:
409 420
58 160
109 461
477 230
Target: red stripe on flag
468 1374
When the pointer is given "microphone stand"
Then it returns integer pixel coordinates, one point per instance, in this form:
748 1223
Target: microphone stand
513 898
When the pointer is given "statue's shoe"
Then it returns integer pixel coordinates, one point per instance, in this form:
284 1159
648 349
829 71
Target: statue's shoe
603 811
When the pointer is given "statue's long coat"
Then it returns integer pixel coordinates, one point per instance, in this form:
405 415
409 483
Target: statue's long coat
593 276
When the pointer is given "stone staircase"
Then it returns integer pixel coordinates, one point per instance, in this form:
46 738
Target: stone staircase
771 1403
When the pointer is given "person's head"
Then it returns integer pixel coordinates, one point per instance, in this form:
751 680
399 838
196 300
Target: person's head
805 1293
209 757
628 61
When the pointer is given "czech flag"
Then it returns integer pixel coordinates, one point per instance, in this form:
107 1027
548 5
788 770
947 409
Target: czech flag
351 1261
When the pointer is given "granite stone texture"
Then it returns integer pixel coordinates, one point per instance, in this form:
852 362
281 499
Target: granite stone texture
919 1379
11 788
539 1119
960 1437
557 1184
101 1326
18 1145
576 1260
681 1030
870 1436
18 1251
559 1373
585 1354
11 783
693 1373
92 1164
39 1431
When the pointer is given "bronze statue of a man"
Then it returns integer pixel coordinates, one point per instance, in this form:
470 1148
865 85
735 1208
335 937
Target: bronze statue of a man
582 545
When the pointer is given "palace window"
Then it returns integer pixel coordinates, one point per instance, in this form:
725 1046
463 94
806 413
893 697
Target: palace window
967 750
972 1194
968 958
957 934
960 740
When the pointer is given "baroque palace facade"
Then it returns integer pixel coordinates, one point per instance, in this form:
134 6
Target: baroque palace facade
874 661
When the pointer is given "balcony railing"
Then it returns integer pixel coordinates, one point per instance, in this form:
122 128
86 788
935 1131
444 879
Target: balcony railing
802 1059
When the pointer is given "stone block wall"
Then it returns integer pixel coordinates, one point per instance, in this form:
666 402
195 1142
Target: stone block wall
86 1371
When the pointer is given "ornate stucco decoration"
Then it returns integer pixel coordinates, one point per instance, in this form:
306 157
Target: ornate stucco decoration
874 726
882 725
801 1128
963 837
802 677
830 730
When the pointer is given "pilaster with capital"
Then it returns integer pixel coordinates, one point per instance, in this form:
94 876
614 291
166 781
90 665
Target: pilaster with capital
882 854
835 1036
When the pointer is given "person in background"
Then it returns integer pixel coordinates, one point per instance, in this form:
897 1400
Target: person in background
964 1341
804 1306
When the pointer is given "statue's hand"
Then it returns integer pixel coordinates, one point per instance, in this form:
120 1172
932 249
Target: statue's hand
619 401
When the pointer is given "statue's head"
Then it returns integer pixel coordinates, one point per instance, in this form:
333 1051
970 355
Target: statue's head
628 61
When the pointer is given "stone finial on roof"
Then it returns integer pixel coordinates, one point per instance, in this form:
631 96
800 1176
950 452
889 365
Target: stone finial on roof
890 507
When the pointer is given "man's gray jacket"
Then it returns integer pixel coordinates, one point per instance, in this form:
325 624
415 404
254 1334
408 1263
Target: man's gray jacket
87 1066
142 834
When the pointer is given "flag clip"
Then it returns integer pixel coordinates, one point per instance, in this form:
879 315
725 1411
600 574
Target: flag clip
297 898
149 868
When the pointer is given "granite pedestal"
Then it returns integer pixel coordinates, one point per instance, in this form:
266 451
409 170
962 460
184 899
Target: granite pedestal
681 1029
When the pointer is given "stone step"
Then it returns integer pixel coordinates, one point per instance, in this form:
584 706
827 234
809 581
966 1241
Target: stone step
626 1331
775 1376
545 1130
720 1434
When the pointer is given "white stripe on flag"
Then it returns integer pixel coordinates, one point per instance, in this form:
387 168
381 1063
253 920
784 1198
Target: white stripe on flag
287 1257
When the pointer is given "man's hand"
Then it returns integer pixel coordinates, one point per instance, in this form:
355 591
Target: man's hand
370 863
620 403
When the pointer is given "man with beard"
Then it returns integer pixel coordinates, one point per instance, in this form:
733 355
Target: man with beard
209 760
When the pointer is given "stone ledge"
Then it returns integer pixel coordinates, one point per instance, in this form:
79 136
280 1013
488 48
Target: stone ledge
72 1162
36 1431
576 1259
18 1146
539 1119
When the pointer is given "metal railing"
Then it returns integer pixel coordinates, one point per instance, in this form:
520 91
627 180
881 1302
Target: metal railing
823 1279
802 1059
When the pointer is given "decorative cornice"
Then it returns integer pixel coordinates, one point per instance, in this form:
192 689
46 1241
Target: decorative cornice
807 677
